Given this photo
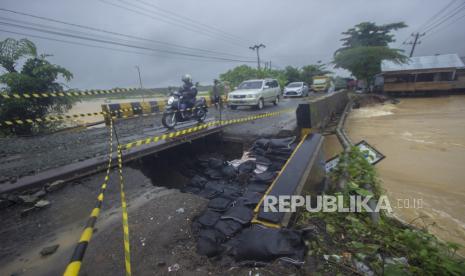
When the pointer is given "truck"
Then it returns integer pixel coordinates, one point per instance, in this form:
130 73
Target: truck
321 84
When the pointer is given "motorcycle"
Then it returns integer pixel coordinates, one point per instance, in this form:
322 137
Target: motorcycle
173 113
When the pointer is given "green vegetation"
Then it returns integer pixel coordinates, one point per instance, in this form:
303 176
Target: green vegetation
36 75
365 46
352 242
290 74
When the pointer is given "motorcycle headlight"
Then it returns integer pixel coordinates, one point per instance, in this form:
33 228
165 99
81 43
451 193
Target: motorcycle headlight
170 100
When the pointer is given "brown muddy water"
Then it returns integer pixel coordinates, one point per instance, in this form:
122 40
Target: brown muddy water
424 170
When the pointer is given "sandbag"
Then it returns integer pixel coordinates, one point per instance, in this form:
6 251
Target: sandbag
229 172
208 247
262 143
214 173
259 243
219 204
209 193
209 218
247 167
281 142
215 163
228 227
259 159
198 181
238 213
265 177
250 199
212 234
232 191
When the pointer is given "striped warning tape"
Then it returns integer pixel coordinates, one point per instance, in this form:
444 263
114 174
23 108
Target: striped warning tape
76 259
119 113
186 131
63 94
127 252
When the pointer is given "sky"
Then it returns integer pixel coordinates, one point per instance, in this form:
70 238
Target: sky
296 33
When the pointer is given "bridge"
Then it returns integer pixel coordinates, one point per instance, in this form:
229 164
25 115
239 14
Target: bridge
151 155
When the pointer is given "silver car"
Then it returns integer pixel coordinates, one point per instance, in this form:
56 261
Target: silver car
255 93
296 89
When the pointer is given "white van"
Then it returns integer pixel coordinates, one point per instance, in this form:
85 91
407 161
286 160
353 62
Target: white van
255 93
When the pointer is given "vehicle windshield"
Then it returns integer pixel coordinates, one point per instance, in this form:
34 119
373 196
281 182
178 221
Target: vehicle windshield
294 84
250 85
319 81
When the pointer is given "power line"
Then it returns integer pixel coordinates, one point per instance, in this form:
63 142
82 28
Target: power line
459 9
184 26
158 8
105 41
435 21
107 48
434 17
445 26
82 33
117 33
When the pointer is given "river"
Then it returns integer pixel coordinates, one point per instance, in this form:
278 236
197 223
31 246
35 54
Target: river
424 170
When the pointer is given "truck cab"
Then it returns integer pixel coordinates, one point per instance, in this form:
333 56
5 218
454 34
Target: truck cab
321 83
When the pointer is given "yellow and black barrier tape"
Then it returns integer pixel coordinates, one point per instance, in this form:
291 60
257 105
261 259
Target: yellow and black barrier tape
186 131
38 95
56 118
127 251
75 263
116 114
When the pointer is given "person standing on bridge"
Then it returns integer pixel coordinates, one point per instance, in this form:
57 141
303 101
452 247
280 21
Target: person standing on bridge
216 94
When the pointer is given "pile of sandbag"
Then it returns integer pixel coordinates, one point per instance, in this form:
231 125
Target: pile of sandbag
234 188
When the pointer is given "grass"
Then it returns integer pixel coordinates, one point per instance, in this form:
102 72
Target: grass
388 247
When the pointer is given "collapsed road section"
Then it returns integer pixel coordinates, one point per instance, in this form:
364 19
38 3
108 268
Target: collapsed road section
210 226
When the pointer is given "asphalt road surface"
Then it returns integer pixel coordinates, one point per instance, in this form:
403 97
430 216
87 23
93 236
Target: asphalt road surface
30 155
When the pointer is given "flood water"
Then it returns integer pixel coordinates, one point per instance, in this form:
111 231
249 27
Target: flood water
424 143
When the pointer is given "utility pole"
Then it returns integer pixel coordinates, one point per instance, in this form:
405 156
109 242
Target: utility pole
140 79
257 48
140 82
415 42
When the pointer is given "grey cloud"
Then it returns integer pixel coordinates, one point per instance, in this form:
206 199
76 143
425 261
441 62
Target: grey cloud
295 32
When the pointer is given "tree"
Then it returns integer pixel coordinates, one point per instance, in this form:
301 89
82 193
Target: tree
239 74
36 75
292 74
370 34
12 50
365 46
243 72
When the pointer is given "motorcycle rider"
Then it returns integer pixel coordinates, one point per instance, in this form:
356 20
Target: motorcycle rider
188 92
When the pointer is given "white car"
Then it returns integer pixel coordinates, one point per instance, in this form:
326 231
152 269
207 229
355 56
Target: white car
255 93
296 89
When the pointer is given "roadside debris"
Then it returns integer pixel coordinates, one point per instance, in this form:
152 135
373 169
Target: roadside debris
49 250
180 211
42 203
28 199
55 186
174 268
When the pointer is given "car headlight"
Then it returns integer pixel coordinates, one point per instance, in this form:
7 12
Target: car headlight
170 100
250 96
